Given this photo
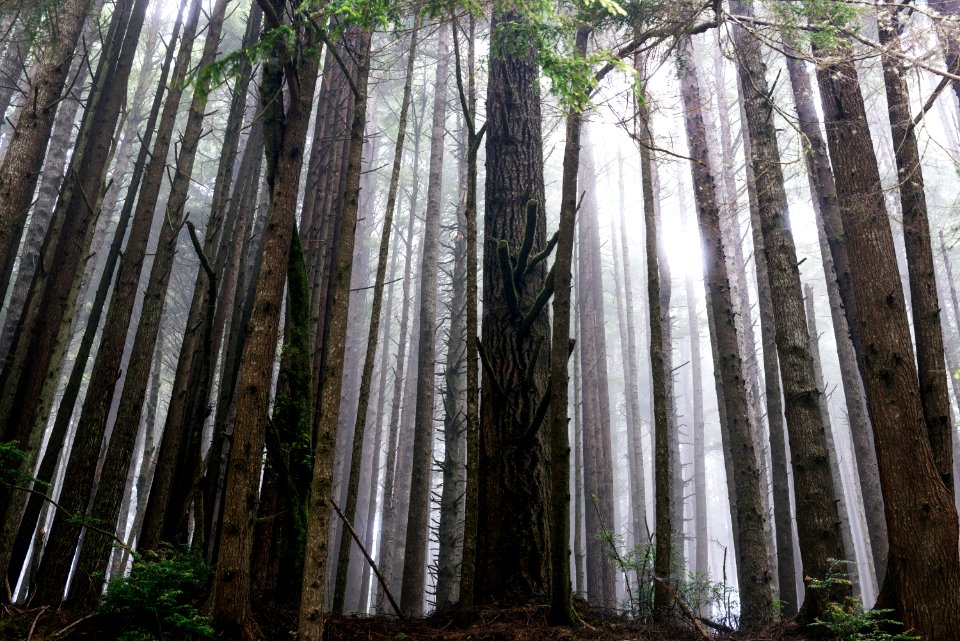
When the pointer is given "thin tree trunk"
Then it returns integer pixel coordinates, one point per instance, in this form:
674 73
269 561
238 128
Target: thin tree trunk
391 495
631 377
850 553
312 601
414 560
660 366
561 610
747 510
599 514
374 331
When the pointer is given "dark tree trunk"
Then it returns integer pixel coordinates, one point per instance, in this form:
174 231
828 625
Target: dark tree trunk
818 523
315 570
230 605
748 510
21 165
842 305
561 612
924 306
924 573
512 555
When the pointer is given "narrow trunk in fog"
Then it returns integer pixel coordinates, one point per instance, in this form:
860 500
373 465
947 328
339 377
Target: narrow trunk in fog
747 511
415 550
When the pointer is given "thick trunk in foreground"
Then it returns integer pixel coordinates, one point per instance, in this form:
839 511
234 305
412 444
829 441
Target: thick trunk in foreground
512 555
924 303
842 306
230 604
924 571
748 511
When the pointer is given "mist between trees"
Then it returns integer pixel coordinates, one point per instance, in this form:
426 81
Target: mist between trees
403 307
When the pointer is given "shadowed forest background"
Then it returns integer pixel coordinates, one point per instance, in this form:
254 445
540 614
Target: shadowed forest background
537 318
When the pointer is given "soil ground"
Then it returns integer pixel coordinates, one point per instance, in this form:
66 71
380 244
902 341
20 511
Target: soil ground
521 624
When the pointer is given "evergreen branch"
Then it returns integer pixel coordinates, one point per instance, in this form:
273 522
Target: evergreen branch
543 255
506 274
538 305
526 245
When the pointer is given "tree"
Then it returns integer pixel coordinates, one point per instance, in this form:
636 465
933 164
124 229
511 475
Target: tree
755 593
923 574
512 555
818 524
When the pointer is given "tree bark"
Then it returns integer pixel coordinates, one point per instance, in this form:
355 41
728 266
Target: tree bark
415 550
21 165
512 556
924 577
312 601
818 521
748 511
842 305
230 604
924 303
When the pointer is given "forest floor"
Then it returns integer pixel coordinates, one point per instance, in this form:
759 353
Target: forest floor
521 624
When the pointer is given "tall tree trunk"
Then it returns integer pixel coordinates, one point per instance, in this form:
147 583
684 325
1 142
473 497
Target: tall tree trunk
374 331
312 601
598 481
850 553
924 305
561 612
842 305
512 555
449 529
701 566
924 573
661 369
230 604
818 525
415 550
391 498
468 104
632 377
176 466
21 165
41 339
783 515
747 510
